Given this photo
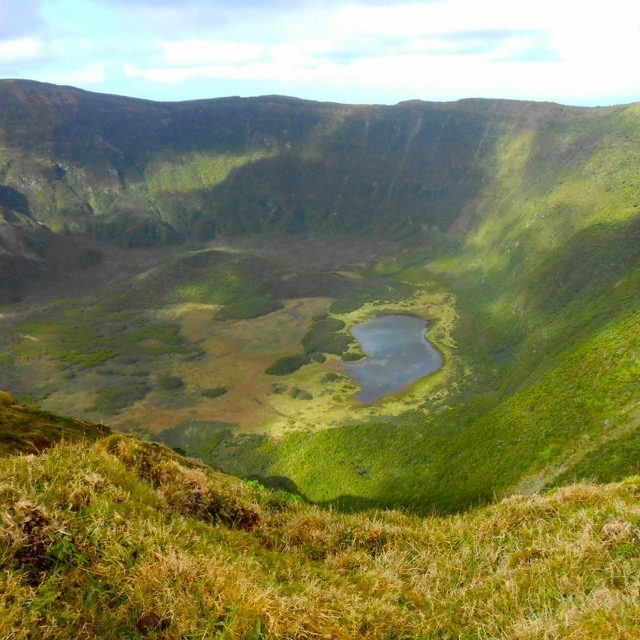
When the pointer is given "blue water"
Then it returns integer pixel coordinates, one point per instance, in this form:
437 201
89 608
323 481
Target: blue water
398 354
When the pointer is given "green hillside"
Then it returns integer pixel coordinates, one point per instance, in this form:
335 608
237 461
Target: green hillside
124 539
546 284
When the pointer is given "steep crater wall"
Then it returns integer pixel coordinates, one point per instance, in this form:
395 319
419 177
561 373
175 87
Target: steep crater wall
143 173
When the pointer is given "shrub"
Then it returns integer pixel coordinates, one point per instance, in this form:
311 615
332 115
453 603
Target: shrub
347 305
323 337
300 394
353 356
249 308
170 383
215 392
112 399
286 365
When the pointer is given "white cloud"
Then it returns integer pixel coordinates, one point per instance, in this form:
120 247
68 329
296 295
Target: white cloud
454 77
192 52
20 49
459 16
437 18
163 74
415 74
565 50
272 70
237 61
88 75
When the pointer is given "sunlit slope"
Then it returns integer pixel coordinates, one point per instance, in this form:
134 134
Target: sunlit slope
127 539
547 284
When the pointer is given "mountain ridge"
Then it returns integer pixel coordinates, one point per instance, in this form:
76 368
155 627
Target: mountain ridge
112 167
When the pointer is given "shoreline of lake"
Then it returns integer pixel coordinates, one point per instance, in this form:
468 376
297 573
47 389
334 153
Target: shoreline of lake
398 354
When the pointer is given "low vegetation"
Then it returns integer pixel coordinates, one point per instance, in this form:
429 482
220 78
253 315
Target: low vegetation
286 365
300 394
249 308
326 336
214 392
110 400
170 383
121 538
31 431
352 356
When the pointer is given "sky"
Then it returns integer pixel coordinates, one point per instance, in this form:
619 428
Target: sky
584 52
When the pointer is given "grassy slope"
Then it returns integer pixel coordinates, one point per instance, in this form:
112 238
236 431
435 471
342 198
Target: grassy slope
145 173
113 538
547 286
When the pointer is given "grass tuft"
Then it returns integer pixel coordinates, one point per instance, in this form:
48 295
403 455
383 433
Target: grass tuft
121 538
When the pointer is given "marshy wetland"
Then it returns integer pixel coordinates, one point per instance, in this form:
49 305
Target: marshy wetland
192 338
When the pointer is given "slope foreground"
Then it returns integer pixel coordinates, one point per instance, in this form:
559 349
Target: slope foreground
123 539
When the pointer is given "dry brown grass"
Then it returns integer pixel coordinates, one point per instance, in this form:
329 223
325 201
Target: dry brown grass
126 539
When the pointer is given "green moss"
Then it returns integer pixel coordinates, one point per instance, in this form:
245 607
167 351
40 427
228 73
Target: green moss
194 172
609 462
